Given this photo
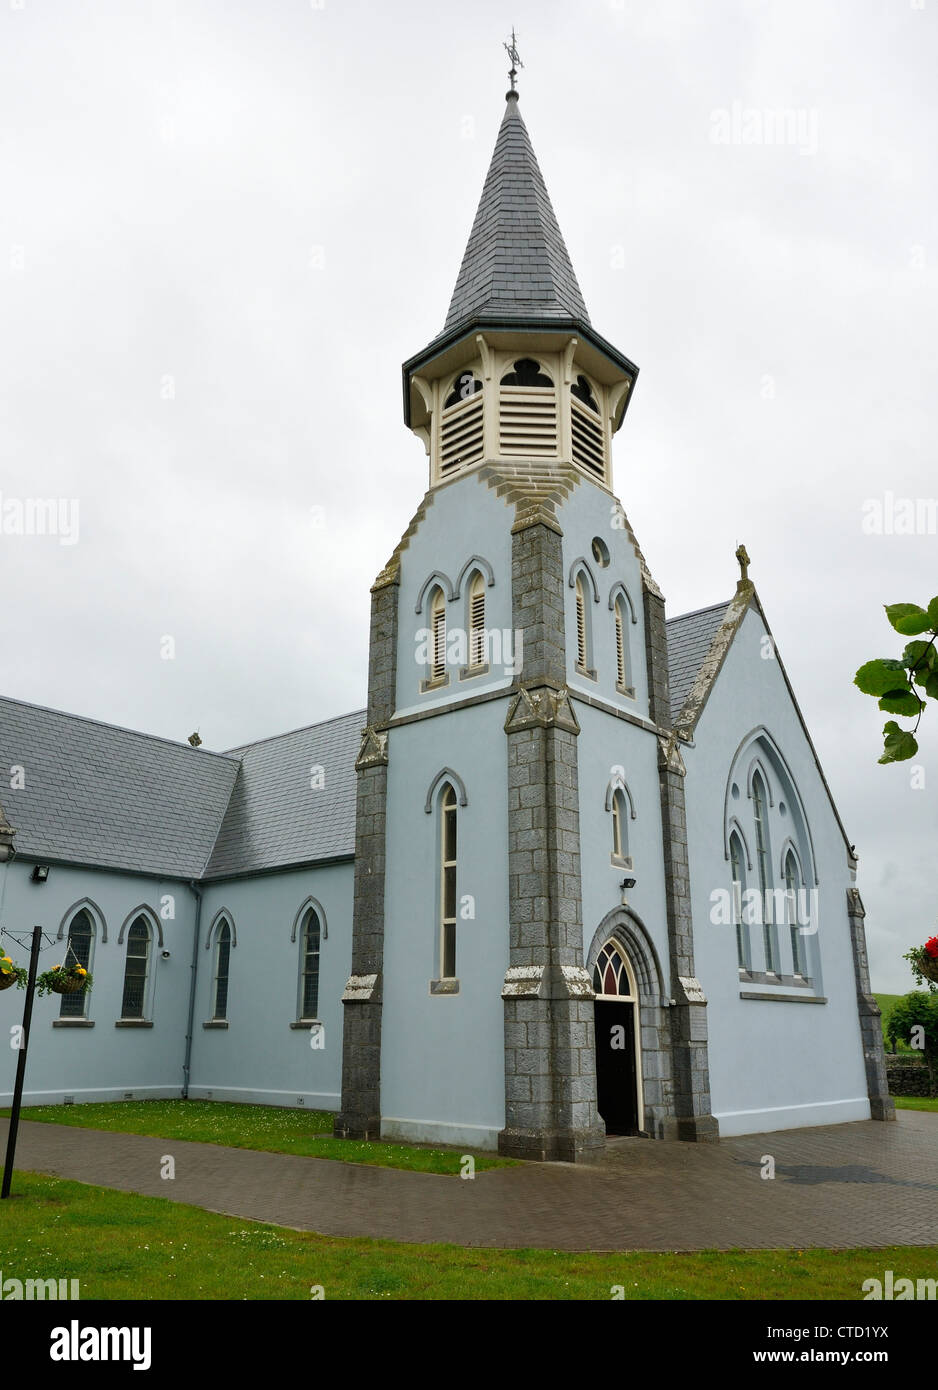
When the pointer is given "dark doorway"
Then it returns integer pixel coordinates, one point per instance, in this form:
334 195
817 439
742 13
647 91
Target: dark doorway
617 1091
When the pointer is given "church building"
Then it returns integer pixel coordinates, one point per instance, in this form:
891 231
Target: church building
575 871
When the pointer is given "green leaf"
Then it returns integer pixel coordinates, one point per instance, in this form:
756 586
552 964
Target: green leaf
901 702
933 612
931 685
880 676
907 618
914 651
899 744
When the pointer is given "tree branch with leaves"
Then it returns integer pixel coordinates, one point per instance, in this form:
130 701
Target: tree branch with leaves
893 682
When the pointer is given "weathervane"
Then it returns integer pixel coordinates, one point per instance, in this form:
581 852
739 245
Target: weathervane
512 50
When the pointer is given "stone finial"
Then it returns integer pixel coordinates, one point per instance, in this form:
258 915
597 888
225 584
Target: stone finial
744 563
194 740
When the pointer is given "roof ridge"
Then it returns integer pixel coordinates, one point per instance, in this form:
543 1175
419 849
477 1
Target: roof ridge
117 728
300 729
696 612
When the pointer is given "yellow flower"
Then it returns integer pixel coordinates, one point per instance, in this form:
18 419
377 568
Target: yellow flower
81 971
5 960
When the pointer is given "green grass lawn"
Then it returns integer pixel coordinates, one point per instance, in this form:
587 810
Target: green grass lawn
916 1103
125 1246
268 1127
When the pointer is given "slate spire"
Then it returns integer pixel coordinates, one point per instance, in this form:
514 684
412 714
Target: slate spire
516 265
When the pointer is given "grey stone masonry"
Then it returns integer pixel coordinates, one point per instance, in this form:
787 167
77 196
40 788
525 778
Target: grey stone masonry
882 1106
688 1015
550 1064
360 1115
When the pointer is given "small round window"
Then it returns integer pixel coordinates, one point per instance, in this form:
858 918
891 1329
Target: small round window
600 552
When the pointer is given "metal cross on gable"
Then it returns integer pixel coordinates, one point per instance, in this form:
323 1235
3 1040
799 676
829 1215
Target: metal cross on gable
512 50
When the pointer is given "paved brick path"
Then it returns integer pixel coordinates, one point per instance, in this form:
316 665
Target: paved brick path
844 1185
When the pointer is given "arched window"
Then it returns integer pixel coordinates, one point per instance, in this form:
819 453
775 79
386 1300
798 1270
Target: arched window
584 392
620 829
220 977
465 385
582 635
739 887
78 951
448 883
136 969
526 372
764 868
611 977
310 938
623 675
437 637
792 885
477 621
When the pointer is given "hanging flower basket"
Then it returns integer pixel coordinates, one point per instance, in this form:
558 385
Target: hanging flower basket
924 960
11 974
63 979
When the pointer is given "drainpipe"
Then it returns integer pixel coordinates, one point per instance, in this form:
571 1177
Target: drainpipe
194 971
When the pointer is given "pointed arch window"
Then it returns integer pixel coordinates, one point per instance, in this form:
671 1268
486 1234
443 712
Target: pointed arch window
136 969
220 975
526 372
739 888
764 869
78 951
582 634
437 637
310 943
623 664
611 977
620 830
448 851
477 622
792 886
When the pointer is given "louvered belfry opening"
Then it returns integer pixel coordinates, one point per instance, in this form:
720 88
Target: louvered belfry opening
461 425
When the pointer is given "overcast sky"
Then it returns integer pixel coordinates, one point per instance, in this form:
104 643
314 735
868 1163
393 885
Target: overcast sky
223 226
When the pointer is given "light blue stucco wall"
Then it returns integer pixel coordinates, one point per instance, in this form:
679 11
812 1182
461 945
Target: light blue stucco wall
101 1062
773 1065
259 1057
442 1056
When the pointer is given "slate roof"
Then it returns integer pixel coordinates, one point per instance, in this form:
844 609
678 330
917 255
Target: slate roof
516 264
98 794
275 817
114 798
689 640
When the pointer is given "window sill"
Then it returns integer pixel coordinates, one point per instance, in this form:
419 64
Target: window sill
627 690
133 1023
427 686
769 977
783 998
586 672
216 1023
73 1023
468 672
617 862
444 986
307 1023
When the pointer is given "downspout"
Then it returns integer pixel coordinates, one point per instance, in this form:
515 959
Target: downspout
186 1066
